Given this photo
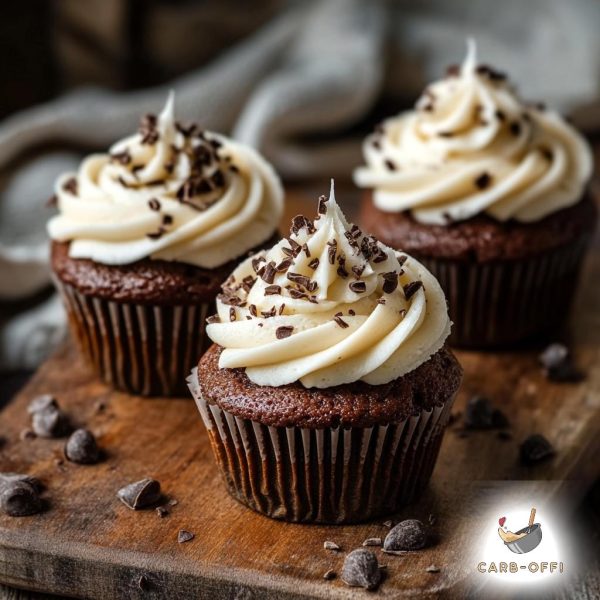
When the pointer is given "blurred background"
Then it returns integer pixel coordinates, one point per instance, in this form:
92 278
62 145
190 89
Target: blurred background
302 81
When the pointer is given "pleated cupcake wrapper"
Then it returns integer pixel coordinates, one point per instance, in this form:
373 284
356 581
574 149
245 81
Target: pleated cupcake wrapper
330 475
500 303
137 348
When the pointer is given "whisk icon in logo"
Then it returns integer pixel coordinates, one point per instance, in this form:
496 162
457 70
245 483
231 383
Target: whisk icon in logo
525 539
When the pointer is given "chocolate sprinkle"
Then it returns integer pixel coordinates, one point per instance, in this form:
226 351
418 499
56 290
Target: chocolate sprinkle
284 265
232 315
123 158
154 204
483 181
390 282
390 164
71 186
284 331
341 322
184 536
322 207
358 287
331 251
314 263
268 272
411 288
272 290
534 449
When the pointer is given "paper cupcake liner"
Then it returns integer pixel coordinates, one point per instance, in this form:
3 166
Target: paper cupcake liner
137 348
495 304
330 475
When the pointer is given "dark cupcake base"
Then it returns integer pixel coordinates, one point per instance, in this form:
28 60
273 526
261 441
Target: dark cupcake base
328 474
506 283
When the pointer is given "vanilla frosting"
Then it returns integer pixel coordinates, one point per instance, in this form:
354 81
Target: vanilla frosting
472 146
329 305
168 192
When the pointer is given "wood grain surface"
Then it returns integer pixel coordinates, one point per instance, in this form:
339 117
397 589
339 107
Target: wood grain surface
88 544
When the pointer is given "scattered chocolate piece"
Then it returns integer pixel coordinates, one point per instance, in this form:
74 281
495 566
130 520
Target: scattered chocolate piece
140 494
162 511
147 129
390 282
534 449
431 519
453 71
483 181
361 569
329 575
284 332
558 365
395 552
432 569
322 207
515 128
407 535
167 219
329 545
388 524
184 536
340 322
410 289
481 414
358 287
391 166
47 420
268 272
19 495
358 270
71 186
232 314
82 448
173 502
155 235
314 263
272 290
123 158
374 541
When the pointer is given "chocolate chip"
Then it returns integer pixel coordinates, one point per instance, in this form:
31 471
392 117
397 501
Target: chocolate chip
300 280
361 569
184 536
322 207
534 449
388 524
162 511
140 494
407 535
410 289
232 314
558 365
268 273
50 422
284 331
358 270
329 575
123 158
19 495
358 287
256 263
500 115
314 263
329 545
82 448
390 282
479 413
26 435
391 166
374 541
483 181
167 219
253 310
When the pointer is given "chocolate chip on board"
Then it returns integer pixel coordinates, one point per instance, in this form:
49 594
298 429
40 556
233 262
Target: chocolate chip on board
407 535
558 364
535 449
361 569
82 448
184 536
19 495
140 494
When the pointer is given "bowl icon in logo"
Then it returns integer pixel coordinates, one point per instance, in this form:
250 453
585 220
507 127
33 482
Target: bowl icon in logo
524 540
531 539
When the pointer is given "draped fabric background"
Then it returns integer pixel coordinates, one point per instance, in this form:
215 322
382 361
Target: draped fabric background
300 81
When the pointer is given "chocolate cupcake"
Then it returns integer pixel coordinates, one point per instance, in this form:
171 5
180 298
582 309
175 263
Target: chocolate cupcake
491 194
329 386
145 236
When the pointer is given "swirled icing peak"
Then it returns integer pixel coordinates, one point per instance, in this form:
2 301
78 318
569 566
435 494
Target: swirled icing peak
329 305
472 146
168 192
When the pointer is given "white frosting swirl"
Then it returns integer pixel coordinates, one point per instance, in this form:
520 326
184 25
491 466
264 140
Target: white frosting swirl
344 308
168 193
471 146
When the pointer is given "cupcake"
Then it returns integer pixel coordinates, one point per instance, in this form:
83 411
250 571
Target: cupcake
329 386
145 236
491 194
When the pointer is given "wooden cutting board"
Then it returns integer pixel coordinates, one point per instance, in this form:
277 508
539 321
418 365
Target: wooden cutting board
88 544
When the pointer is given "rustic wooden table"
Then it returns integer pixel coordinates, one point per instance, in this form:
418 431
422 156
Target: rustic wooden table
89 545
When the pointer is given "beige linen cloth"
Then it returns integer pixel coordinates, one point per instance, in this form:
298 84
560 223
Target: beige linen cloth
298 89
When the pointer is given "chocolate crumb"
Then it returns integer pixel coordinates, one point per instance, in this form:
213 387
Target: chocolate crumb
214 319
432 569
269 272
272 290
184 536
232 314
167 219
284 331
388 524
284 265
162 511
535 449
329 545
71 186
123 158
154 204
374 541
26 435
329 575
322 207
314 263
453 71
358 287
390 282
